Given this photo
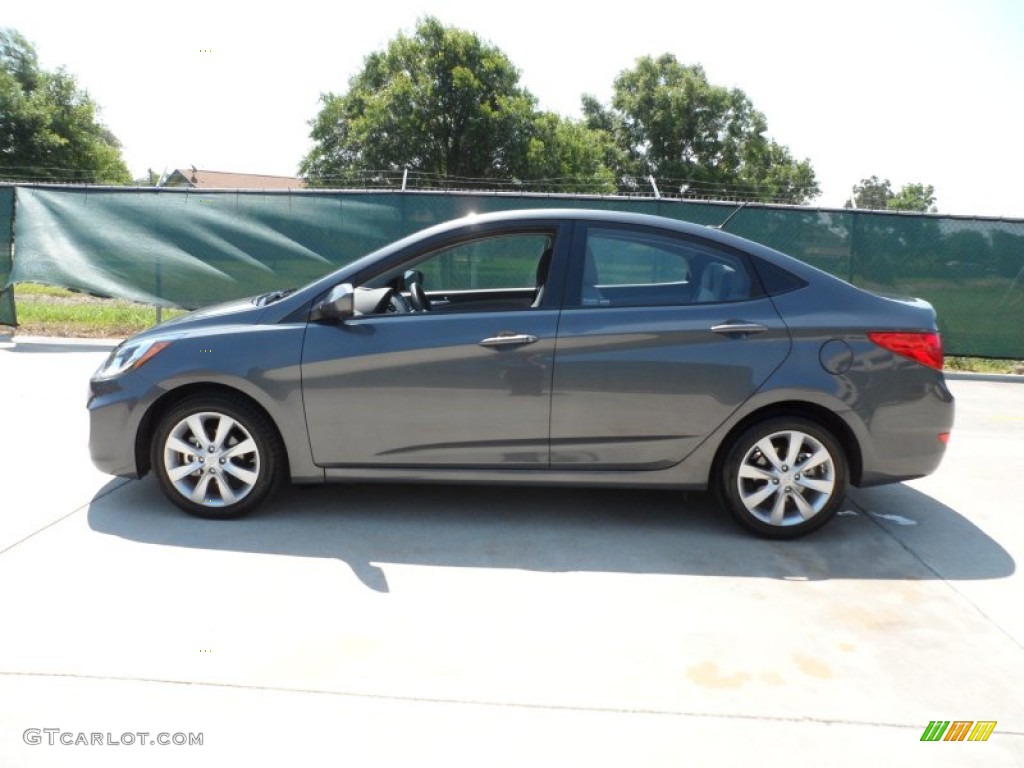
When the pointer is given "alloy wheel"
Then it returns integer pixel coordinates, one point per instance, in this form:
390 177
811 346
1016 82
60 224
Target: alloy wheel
786 478
211 459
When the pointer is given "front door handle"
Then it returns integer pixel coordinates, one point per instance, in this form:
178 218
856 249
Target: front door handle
508 339
738 328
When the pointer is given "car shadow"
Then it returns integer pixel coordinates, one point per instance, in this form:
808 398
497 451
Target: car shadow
559 530
23 347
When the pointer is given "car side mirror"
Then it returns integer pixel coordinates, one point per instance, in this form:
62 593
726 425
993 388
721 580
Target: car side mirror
336 306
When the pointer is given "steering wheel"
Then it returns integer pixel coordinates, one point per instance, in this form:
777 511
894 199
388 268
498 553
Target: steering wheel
414 282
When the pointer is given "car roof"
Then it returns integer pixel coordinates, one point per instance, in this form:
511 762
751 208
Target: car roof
706 231
587 214
594 215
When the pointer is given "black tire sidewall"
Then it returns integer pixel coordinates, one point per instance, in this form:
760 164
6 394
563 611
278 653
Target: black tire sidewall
728 494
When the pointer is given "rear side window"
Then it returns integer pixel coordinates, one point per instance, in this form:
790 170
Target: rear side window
636 268
776 280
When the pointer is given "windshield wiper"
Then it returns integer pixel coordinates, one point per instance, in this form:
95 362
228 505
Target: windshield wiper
270 298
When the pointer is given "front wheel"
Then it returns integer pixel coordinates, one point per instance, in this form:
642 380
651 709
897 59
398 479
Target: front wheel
216 457
783 478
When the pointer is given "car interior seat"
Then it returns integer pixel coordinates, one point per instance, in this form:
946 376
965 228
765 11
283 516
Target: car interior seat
710 281
735 285
718 282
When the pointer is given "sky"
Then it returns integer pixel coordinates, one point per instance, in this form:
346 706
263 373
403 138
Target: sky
911 91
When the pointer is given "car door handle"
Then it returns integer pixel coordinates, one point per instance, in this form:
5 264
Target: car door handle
735 327
508 339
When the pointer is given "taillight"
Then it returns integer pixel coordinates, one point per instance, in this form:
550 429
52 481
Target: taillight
925 348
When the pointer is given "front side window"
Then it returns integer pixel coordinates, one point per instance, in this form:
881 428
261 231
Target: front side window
503 262
495 272
630 268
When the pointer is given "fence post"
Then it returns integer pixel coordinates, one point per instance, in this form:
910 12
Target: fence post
853 246
158 287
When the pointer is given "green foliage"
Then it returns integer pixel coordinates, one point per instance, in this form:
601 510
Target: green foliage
48 125
440 101
914 197
876 195
871 194
443 103
668 121
566 156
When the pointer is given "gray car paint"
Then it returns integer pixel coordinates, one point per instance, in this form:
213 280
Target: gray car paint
420 390
641 387
892 407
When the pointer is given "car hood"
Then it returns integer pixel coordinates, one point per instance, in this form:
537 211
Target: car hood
239 311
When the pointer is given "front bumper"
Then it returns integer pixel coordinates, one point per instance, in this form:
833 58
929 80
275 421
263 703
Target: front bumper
116 408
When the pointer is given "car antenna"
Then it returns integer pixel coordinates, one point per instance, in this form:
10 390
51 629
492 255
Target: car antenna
729 217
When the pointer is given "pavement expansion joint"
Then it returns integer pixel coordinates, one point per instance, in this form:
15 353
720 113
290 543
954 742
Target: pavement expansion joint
64 517
482 703
938 576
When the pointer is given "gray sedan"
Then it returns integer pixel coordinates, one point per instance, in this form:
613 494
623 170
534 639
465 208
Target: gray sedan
541 347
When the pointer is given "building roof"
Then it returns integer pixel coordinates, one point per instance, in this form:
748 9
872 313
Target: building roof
202 179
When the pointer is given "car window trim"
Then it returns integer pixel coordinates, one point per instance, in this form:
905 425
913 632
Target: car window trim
572 299
558 229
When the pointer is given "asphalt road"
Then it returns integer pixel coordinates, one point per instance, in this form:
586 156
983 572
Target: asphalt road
371 625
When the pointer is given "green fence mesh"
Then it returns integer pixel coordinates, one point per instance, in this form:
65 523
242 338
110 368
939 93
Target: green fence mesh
971 270
7 316
195 247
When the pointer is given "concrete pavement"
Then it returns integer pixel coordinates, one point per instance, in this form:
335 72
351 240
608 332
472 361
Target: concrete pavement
494 626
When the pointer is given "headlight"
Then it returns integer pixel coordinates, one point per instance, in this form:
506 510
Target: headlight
128 356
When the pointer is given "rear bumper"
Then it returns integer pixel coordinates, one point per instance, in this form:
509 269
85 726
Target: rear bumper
903 438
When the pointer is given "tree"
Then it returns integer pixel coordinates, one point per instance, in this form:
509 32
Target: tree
48 125
871 194
564 155
914 197
876 195
440 102
668 121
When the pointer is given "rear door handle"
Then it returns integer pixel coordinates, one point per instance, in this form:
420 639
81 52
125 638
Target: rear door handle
508 339
738 328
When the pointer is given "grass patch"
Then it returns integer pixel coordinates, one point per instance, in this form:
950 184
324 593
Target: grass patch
23 290
44 310
982 365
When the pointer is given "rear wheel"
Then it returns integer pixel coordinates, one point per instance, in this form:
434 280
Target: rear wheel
783 478
216 457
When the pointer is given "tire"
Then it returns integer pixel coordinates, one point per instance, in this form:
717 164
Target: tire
783 478
233 450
